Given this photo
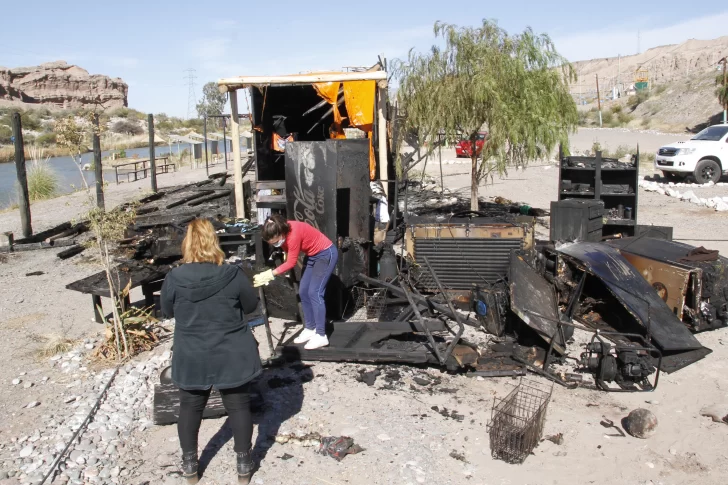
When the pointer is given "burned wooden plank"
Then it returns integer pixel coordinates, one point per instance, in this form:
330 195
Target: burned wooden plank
166 405
42 236
213 196
72 251
37 245
79 228
189 198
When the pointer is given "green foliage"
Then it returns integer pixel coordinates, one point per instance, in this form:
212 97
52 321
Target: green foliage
127 127
616 109
5 135
122 153
213 101
721 91
46 139
42 179
516 86
70 135
634 101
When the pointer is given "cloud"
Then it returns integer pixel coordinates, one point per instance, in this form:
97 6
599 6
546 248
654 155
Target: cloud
622 39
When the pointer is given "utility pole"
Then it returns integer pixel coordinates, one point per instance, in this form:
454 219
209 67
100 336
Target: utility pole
725 93
191 101
619 74
599 101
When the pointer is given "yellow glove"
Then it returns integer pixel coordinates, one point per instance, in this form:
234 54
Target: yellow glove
262 279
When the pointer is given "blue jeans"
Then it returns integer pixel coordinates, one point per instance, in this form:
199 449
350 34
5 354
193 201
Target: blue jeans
316 274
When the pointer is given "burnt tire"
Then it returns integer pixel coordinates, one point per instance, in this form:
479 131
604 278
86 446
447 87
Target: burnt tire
707 171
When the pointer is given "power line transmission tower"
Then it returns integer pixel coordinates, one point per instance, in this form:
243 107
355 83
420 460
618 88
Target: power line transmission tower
191 100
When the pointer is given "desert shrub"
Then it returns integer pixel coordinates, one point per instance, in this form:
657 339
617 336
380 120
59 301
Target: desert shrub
616 109
42 179
127 127
634 101
46 139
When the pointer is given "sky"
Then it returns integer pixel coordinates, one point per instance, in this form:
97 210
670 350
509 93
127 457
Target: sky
152 44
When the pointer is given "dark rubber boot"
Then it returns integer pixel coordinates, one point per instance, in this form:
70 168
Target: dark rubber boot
189 467
245 466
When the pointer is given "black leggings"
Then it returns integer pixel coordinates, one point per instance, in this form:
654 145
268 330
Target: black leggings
237 405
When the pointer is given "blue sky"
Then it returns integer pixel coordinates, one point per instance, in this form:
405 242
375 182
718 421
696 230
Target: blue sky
150 44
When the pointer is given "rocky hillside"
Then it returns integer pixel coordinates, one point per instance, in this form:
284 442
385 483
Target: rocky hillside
682 83
60 85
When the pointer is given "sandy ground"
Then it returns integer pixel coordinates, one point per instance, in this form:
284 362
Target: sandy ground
406 440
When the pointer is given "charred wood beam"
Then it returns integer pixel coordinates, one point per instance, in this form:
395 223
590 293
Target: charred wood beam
42 236
72 251
216 195
189 198
37 245
79 228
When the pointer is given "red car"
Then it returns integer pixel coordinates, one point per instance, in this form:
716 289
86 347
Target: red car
464 149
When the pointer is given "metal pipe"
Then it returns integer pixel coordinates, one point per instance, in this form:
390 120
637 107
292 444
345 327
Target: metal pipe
82 427
430 338
418 298
452 309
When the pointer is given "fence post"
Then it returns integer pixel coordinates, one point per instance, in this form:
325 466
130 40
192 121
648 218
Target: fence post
23 200
207 164
153 166
98 169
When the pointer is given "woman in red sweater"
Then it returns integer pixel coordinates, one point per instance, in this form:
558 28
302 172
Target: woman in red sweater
321 256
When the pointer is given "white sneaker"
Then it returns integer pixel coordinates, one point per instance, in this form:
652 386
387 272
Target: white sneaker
316 342
305 336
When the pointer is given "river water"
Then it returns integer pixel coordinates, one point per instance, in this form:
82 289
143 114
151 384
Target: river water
69 177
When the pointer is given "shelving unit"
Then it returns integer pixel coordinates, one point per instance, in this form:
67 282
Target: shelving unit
595 176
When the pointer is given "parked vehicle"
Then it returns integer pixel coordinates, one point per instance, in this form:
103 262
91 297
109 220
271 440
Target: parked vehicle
464 148
704 156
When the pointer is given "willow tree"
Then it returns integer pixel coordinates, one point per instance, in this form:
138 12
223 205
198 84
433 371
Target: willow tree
516 87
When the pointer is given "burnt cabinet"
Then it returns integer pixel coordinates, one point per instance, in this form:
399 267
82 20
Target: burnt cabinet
613 182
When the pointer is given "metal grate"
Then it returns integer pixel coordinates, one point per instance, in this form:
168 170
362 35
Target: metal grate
369 305
460 262
517 421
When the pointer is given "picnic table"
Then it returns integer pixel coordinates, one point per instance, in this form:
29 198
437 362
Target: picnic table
162 165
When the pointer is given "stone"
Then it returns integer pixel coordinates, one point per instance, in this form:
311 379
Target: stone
16 382
641 423
62 85
75 455
27 385
27 451
32 404
115 472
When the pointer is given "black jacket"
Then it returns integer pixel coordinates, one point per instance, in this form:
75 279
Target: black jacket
213 345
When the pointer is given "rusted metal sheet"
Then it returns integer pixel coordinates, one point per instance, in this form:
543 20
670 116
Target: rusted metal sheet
638 297
533 299
671 281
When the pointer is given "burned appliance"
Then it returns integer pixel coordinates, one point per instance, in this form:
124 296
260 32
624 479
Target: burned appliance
465 251
600 289
628 365
694 287
491 308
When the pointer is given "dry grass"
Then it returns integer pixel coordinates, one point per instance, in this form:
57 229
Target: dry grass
7 153
42 179
54 345
142 332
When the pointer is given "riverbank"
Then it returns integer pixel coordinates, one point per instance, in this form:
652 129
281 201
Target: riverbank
73 206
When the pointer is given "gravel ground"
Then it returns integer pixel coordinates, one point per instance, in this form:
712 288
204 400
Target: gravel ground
406 440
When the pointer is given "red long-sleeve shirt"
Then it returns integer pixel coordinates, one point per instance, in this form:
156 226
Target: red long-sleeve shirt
302 238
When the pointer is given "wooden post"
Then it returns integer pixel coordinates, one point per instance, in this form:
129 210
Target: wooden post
207 165
98 170
599 100
382 136
235 128
153 166
23 199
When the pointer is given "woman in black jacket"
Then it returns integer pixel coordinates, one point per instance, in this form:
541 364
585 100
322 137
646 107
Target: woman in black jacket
213 345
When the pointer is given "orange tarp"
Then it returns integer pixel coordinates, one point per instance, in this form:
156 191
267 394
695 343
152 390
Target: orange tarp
359 100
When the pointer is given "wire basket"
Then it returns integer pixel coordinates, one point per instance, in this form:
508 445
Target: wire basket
369 305
517 421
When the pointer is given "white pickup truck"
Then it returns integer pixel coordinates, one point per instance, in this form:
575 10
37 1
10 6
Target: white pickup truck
704 156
